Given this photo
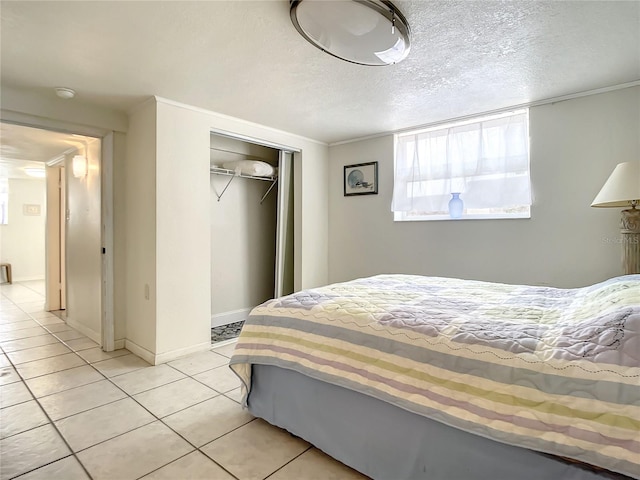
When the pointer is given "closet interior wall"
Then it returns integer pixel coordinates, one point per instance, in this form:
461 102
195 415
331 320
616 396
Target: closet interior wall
243 233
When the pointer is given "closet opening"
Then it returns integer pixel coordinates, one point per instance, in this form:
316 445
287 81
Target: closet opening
251 228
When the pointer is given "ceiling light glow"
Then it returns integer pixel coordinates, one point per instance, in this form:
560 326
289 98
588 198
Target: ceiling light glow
35 172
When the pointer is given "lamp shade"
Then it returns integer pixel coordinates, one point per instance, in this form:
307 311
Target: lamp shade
622 187
366 32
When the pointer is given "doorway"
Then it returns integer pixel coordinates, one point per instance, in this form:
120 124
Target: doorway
251 228
72 212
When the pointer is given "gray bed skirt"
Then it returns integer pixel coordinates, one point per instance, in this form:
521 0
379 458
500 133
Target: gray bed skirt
388 443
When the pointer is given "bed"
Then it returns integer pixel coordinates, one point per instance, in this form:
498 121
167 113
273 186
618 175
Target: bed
412 377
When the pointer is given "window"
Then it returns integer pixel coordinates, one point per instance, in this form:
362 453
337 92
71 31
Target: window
4 201
485 160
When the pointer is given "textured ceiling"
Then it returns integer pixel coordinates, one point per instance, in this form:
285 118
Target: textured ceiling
245 59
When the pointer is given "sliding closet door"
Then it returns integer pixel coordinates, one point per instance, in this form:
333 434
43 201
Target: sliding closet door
284 227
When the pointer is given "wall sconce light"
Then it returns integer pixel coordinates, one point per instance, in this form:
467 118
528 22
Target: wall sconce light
79 166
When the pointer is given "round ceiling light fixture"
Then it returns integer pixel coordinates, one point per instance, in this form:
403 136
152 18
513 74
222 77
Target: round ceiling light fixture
65 93
366 32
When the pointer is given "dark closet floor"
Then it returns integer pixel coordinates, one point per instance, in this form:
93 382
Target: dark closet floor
226 332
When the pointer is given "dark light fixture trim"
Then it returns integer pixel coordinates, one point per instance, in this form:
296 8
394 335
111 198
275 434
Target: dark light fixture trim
369 43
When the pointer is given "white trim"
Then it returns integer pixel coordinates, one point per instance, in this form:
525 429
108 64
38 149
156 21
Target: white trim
254 140
26 120
139 351
226 318
27 279
181 352
223 343
536 103
119 344
399 217
154 359
107 280
236 119
139 105
92 334
467 121
60 158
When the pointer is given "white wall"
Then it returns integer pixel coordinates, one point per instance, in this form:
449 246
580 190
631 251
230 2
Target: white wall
183 235
168 223
45 110
162 212
47 106
136 184
22 241
83 245
243 234
575 145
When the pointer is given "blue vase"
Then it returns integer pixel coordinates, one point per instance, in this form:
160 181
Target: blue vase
456 205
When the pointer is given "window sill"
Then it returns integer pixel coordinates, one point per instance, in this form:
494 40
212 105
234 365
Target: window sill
399 217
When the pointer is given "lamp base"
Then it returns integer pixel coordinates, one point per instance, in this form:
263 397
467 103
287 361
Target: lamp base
630 229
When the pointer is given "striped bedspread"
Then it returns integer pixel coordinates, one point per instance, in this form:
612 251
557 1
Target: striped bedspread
553 370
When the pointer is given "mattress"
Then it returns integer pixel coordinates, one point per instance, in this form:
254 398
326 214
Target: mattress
550 370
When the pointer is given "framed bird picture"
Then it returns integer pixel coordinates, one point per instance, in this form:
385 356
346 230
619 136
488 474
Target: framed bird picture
361 179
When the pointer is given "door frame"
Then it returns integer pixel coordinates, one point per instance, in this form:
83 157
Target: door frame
106 179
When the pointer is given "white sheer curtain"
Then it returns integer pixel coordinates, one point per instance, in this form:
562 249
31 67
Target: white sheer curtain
487 162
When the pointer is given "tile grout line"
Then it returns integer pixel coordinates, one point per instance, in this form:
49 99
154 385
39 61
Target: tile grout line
156 418
27 348
51 422
195 447
294 458
199 449
73 453
55 427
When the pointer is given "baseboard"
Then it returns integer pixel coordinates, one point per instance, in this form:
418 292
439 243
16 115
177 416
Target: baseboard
224 342
119 344
226 318
25 279
181 352
165 357
141 352
92 334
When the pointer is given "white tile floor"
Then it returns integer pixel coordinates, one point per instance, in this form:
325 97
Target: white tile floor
70 411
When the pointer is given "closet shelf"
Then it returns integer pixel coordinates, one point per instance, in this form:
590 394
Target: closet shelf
233 174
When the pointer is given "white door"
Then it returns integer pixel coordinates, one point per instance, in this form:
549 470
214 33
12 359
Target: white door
55 238
284 227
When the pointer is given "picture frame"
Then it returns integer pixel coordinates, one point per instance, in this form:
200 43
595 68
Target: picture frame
361 179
